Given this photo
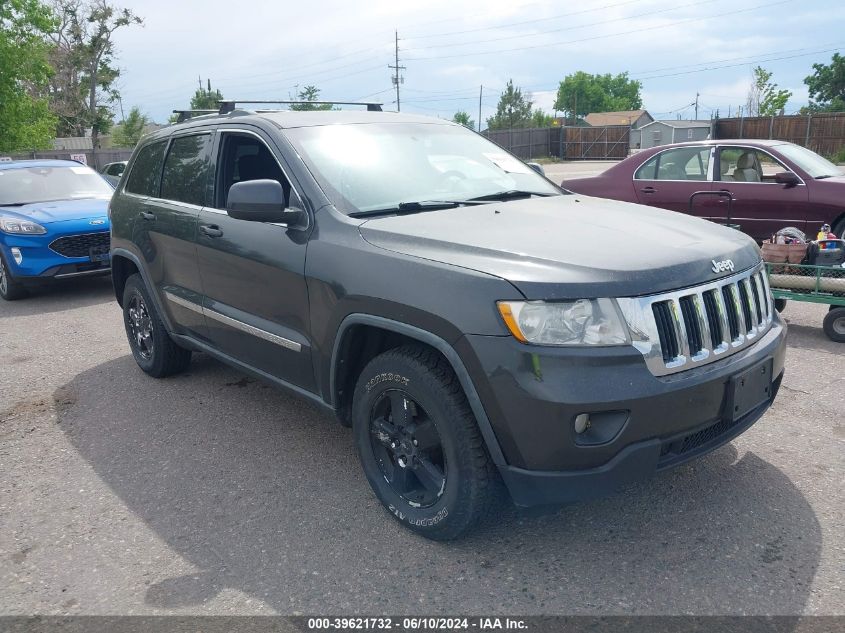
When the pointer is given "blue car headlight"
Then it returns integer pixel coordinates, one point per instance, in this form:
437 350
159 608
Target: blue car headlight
16 226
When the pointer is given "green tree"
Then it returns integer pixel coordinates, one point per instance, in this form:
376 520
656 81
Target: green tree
306 96
84 58
512 111
464 119
582 93
540 119
827 86
25 118
206 99
128 133
764 98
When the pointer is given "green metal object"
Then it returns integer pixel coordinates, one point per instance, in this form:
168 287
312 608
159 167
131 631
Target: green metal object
818 274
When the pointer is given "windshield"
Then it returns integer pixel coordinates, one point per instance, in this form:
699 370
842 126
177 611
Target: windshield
43 184
379 166
809 161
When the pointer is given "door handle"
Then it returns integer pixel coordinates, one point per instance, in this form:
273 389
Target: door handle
147 215
648 189
212 230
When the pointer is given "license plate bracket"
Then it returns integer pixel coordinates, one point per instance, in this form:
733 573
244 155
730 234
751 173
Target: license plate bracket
99 254
749 389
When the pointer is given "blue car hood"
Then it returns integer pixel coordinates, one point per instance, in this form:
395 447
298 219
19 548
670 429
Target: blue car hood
61 210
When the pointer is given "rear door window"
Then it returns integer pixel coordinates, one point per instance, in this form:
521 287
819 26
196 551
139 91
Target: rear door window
146 170
185 176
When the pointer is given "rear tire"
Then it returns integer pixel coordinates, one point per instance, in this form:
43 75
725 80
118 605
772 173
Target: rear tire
10 288
420 446
153 349
834 324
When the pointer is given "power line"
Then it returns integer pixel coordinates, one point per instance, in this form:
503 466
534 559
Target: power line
567 28
604 36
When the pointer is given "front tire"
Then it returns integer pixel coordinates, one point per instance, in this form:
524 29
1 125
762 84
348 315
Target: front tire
10 288
153 349
420 446
834 324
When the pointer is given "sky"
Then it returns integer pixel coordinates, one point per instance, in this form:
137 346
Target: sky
451 48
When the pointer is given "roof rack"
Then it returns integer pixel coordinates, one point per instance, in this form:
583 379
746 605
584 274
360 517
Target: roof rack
228 105
184 115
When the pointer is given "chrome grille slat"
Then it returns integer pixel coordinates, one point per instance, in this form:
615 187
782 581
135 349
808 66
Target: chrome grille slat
692 327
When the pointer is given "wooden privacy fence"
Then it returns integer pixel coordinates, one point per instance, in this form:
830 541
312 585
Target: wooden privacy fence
567 143
824 133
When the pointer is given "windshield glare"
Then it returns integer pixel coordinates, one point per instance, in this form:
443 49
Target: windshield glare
43 184
809 161
377 166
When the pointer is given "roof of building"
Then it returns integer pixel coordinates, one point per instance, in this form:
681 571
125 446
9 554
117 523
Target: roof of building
73 143
623 117
680 124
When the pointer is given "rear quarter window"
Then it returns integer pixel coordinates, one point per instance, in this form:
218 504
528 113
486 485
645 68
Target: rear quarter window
185 176
146 170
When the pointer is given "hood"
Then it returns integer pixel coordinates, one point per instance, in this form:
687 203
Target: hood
61 210
571 246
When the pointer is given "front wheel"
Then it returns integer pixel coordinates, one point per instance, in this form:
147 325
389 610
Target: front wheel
10 288
834 324
153 349
419 444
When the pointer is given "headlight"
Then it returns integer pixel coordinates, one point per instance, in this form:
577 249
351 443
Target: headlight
581 322
17 226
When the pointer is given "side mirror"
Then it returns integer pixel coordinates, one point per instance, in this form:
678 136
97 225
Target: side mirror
787 178
537 167
261 201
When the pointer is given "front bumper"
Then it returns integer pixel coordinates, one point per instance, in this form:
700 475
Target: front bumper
40 263
532 396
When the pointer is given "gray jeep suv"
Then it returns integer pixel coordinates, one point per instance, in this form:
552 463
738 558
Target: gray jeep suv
483 331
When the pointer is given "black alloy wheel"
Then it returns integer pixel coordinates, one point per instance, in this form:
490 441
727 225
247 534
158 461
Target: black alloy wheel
408 448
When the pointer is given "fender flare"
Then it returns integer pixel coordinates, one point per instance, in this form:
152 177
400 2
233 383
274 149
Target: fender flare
122 252
444 348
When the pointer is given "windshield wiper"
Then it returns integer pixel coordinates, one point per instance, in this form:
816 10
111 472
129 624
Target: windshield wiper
823 176
410 207
511 194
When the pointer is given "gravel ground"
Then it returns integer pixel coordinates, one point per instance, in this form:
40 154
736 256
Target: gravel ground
212 493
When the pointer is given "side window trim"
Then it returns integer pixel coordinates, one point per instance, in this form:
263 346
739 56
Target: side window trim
217 156
721 148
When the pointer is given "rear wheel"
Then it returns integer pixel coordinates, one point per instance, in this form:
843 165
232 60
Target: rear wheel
834 324
419 444
10 288
153 349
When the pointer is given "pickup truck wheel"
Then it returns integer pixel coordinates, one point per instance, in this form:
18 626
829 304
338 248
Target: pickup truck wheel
153 349
10 289
419 444
834 324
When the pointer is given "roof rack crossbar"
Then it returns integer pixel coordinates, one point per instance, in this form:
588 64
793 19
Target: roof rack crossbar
184 115
228 105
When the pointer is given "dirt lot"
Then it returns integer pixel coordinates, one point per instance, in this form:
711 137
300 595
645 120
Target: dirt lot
213 493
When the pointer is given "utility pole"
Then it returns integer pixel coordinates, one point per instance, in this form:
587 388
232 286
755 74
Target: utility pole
397 78
696 106
480 92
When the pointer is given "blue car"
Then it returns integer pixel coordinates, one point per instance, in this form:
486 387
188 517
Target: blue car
53 223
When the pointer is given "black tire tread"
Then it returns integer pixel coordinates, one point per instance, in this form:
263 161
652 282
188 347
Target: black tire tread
15 290
168 357
834 313
485 485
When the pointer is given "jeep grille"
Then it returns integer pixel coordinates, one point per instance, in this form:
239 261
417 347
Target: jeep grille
679 330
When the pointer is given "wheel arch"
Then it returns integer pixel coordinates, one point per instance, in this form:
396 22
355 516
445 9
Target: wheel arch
364 336
838 225
124 264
